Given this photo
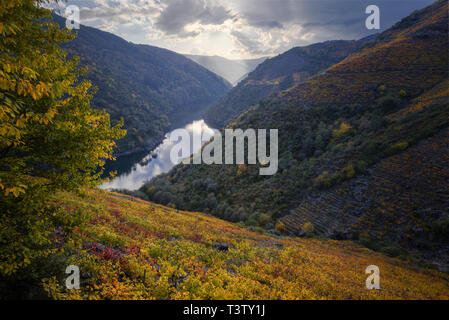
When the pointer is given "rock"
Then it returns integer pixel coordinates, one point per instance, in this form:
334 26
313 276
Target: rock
337 235
220 246
276 244
300 233
269 226
271 243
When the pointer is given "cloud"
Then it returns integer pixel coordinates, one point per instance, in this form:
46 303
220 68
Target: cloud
178 14
238 28
268 25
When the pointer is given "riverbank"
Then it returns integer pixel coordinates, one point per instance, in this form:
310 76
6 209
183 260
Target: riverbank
135 167
148 148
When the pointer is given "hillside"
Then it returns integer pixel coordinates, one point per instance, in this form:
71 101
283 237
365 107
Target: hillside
133 249
410 56
277 74
339 125
232 70
361 190
403 199
153 89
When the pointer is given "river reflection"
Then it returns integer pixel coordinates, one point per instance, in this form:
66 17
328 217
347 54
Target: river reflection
135 169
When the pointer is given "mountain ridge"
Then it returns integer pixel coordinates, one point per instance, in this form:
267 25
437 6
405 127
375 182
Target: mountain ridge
280 73
232 70
153 89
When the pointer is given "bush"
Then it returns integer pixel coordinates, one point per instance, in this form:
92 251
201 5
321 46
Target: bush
387 103
280 226
324 180
252 222
308 228
440 228
264 219
349 172
400 146
393 251
343 130
327 180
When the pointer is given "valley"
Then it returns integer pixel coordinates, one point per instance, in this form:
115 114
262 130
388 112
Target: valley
153 89
335 128
362 160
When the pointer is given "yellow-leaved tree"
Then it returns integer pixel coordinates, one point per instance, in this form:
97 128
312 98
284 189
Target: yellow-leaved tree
50 137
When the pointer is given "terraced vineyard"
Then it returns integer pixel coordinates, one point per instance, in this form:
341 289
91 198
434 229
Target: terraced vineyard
411 56
438 94
400 200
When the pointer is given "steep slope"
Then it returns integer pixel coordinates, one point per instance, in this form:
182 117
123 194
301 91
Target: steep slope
277 74
410 56
402 199
133 249
153 89
376 103
231 70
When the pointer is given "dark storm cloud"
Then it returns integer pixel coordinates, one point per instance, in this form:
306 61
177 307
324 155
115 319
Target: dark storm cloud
268 24
317 20
180 13
327 16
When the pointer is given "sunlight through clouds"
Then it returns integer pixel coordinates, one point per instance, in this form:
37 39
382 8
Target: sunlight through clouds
236 28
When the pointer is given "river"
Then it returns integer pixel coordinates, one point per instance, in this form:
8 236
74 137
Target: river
135 169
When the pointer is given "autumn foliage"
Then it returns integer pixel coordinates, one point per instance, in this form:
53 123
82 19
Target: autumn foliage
138 250
50 138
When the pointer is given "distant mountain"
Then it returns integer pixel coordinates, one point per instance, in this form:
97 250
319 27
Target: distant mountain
279 73
363 150
153 89
232 70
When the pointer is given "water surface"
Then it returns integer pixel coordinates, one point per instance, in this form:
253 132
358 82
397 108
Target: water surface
135 169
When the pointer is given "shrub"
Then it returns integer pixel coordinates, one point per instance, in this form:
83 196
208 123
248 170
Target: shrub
252 222
308 228
324 180
440 228
264 219
393 251
400 146
387 103
349 172
343 130
280 226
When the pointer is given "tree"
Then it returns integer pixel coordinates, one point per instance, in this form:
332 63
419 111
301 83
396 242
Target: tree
264 219
50 137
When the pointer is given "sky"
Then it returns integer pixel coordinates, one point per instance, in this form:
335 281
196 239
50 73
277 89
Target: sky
238 29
